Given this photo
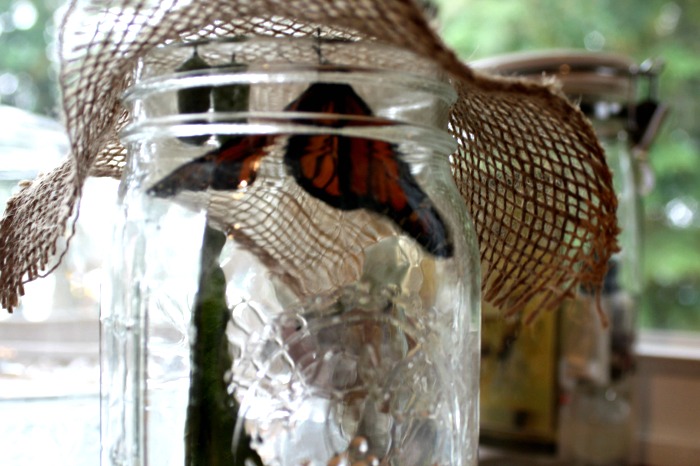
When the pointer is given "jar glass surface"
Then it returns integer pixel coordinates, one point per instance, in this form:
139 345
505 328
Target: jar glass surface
295 275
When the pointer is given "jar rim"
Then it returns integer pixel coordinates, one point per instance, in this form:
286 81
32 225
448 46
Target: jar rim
590 75
289 74
284 69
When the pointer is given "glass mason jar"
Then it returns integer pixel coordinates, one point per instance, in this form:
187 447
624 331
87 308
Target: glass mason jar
295 278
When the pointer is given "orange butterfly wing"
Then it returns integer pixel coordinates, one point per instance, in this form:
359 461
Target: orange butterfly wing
353 172
232 166
333 99
382 182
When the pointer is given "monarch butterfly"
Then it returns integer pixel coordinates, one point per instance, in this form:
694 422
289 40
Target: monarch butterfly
350 172
345 172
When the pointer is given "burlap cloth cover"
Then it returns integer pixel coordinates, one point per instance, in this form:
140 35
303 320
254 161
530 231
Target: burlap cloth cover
529 166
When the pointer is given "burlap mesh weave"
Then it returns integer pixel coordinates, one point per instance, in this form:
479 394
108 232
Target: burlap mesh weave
529 166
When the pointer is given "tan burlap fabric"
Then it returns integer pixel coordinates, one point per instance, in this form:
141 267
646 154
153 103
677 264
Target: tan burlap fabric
529 166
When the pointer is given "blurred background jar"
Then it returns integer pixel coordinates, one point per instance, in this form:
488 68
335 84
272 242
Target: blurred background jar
563 385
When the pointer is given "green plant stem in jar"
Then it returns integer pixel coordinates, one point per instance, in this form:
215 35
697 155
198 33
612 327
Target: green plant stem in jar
212 412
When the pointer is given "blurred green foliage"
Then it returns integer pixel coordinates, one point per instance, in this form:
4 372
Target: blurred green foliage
639 29
28 58
482 28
